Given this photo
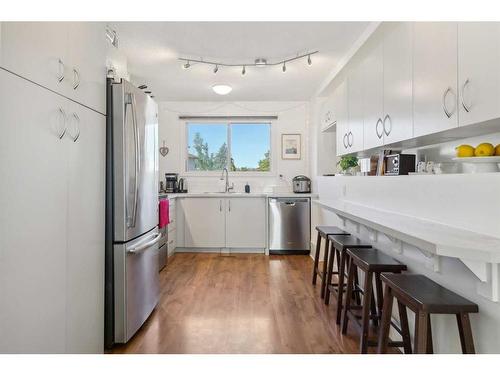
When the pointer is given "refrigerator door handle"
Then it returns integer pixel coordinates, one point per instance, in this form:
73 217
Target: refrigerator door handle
131 101
144 246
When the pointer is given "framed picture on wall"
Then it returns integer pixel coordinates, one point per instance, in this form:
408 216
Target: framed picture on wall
290 146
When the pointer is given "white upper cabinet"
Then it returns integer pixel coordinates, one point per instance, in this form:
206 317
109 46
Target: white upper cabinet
87 64
435 105
355 89
37 51
341 116
204 222
373 97
478 71
398 107
245 223
66 57
327 118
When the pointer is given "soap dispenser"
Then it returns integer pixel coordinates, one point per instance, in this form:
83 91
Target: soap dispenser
247 188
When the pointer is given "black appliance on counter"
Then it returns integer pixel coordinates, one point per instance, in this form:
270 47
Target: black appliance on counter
171 182
399 164
301 184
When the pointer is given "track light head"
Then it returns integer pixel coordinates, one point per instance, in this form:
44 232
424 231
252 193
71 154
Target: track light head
284 67
309 61
186 65
216 69
243 71
142 87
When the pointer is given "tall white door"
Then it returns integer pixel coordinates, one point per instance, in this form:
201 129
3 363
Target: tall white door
85 254
33 217
435 100
37 51
356 109
398 96
246 223
373 98
204 222
478 71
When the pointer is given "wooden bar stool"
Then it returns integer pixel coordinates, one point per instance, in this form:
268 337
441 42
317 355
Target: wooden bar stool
424 297
323 232
339 246
372 262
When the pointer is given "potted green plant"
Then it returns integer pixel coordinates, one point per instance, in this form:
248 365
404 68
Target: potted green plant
347 164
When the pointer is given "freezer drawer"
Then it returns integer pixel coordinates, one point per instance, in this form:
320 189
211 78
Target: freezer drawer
137 284
289 225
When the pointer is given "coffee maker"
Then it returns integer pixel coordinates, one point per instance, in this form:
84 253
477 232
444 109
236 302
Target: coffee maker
171 182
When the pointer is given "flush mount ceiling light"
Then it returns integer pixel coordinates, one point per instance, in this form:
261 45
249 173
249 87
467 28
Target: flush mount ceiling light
222 89
259 62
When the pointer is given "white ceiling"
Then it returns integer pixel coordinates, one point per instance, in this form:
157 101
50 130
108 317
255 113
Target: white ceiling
153 48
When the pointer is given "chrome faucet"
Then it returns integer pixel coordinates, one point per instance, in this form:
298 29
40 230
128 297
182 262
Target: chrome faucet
227 187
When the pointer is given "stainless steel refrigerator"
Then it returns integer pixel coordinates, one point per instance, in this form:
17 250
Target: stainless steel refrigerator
133 210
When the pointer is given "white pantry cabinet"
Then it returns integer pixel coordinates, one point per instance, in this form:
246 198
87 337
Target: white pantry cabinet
354 137
435 99
397 122
66 57
246 223
478 72
51 222
204 222
340 109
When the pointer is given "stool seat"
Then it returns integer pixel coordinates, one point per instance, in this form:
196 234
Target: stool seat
374 260
425 295
326 230
344 242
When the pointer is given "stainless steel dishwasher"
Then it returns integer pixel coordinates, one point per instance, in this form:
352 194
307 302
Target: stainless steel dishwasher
289 225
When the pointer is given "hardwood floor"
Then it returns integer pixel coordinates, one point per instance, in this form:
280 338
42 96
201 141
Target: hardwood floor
246 303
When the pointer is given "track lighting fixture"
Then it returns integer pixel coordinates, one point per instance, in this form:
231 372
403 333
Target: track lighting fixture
259 62
147 92
142 87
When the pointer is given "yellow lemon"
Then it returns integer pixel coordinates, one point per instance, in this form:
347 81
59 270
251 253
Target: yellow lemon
465 151
497 150
484 149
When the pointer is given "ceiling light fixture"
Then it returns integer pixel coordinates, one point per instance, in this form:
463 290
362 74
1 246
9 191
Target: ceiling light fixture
243 71
222 89
259 62
284 67
142 87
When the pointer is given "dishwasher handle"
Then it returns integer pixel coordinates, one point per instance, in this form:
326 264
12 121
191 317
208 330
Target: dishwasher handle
289 201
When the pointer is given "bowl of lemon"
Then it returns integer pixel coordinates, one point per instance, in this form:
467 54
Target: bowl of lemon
483 158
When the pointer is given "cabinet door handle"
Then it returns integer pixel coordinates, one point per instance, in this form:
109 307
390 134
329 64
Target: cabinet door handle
77 119
229 205
64 120
466 83
220 205
379 122
76 79
352 139
387 117
445 108
60 77
344 140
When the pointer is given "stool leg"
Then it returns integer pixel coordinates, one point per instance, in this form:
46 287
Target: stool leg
350 282
421 330
329 274
325 262
367 303
340 294
465 331
383 337
405 330
357 294
316 259
380 295
373 309
429 348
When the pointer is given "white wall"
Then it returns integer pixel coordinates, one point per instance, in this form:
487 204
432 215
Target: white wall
293 117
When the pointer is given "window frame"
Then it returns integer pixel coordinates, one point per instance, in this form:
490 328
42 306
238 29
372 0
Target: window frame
184 158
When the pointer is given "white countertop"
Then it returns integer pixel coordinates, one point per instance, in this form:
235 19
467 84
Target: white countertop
236 195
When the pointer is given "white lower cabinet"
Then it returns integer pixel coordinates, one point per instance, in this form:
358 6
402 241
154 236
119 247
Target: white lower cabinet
204 222
238 223
51 222
246 223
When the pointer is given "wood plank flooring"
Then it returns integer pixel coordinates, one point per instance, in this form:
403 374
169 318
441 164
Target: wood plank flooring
245 303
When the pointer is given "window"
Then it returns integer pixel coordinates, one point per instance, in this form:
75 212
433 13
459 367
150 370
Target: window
239 147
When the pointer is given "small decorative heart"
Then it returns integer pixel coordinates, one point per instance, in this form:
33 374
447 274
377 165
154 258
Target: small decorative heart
164 150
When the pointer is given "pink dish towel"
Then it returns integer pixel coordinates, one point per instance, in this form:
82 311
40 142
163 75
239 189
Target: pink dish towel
164 213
